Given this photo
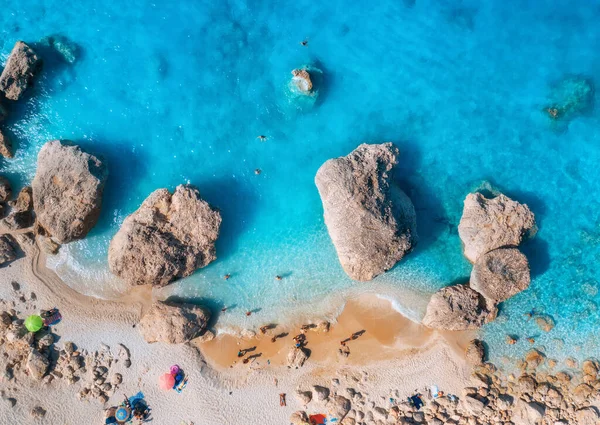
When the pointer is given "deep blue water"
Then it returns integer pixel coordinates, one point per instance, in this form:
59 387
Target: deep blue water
172 93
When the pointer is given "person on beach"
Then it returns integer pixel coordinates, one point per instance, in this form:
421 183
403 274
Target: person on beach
246 360
304 42
264 329
224 309
282 402
241 353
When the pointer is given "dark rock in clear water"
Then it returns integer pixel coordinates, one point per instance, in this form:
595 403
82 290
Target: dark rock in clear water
5 189
488 224
173 323
167 238
372 223
458 307
21 67
67 190
6 148
7 249
500 274
67 49
572 96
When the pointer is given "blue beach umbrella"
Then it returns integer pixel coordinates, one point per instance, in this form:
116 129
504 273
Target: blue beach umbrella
123 414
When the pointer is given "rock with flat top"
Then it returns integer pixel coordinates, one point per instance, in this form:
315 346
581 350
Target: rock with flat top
527 413
37 364
500 274
7 249
67 190
167 238
297 357
320 393
6 147
489 224
458 307
301 80
372 223
173 323
338 407
22 66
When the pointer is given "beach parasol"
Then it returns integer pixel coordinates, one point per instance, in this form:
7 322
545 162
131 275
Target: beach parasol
34 323
166 381
123 414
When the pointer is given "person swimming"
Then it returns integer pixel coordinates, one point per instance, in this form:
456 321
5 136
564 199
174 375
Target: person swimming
257 171
278 277
227 276
304 42
262 138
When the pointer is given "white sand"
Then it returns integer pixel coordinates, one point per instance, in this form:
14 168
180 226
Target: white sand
242 395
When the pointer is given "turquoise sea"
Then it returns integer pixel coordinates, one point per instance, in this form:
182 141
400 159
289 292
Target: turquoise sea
177 92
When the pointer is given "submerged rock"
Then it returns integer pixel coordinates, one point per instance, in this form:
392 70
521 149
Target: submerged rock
570 97
372 223
500 274
544 322
168 237
21 67
67 190
63 46
301 80
6 148
458 307
7 249
488 224
173 323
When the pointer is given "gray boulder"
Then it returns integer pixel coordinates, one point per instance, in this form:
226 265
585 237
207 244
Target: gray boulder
372 223
458 307
173 323
67 190
500 274
488 224
320 393
297 357
6 148
7 249
5 189
21 67
168 237
525 413
37 364
338 407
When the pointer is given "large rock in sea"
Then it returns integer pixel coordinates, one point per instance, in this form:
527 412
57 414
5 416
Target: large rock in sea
488 224
301 80
167 238
6 148
67 190
173 323
21 67
372 223
457 308
500 274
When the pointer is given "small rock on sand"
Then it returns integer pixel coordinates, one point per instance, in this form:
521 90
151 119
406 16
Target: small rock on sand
475 352
338 407
38 412
304 397
173 323
320 393
297 356
37 364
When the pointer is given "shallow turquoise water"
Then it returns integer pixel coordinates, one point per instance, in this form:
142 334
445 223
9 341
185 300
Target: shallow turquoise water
172 94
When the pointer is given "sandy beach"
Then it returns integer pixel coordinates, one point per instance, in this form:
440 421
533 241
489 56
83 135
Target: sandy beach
393 358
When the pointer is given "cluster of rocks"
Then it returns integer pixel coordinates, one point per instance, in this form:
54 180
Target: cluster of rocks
337 406
22 66
100 383
168 237
491 230
371 221
570 97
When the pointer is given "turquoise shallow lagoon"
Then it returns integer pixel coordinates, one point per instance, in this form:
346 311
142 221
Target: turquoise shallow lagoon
171 93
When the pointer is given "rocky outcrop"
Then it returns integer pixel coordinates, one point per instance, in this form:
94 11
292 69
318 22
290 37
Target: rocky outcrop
458 307
37 365
299 418
5 189
6 148
475 352
488 224
7 250
371 222
338 407
526 413
320 393
500 274
297 357
21 67
301 80
67 190
173 323
168 237
21 214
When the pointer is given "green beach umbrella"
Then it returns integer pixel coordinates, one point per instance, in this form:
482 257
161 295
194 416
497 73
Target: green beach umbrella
34 323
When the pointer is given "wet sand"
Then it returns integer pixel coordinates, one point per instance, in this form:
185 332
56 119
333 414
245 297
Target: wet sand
387 335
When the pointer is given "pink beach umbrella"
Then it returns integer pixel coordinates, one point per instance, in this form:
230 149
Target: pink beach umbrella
174 370
166 381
